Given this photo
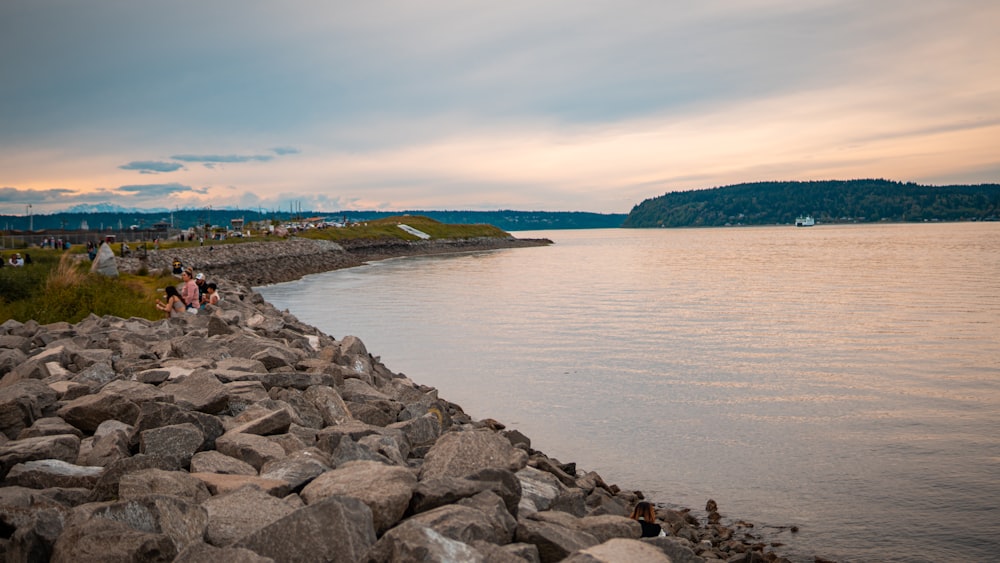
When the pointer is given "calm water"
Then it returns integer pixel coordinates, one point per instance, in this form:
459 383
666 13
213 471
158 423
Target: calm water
844 379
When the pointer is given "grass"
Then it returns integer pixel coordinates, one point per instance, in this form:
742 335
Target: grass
389 228
58 286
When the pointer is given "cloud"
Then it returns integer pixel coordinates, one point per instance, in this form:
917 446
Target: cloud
152 166
282 151
10 195
222 158
158 190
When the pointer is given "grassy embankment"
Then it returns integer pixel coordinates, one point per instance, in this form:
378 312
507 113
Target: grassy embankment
57 286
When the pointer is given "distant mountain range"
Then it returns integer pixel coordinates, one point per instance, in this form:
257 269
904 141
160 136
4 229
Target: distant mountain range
111 217
770 203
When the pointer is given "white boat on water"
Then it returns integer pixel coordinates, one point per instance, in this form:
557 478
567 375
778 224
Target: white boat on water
805 221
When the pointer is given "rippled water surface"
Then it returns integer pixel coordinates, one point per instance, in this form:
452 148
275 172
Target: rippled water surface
843 379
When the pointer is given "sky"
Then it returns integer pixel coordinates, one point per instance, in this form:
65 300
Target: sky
551 105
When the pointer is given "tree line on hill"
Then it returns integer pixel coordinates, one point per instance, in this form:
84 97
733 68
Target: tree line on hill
508 220
770 203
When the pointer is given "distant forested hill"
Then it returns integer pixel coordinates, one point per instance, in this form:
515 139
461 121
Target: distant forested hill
507 220
767 203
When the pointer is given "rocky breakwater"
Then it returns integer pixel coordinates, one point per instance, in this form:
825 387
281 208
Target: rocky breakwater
280 260
242 434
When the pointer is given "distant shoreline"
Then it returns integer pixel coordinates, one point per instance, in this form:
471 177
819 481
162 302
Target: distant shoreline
263 263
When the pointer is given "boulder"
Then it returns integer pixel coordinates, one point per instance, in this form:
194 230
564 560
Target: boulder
415 541
177 440
329 404
336 529
619 551
554 542
456 454
49 426
98 540
50 473
385 489
236 514
215 462
176 484
89 411
250 448
104 262
22 403
62 447
298 469
200 391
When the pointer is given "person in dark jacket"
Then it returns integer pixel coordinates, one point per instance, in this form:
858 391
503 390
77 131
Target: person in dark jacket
646 515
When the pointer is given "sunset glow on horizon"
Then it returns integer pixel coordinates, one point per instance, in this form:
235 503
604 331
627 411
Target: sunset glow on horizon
444 105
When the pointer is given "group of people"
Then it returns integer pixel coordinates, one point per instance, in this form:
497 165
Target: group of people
17 260
195 293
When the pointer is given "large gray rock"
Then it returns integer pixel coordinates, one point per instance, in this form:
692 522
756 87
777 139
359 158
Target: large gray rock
234 515
421 431
539 490
336 529
298 469
554 542
486 520
107 485
182 521
385 489
22 403
176 484
456 454
267 423
99 540
200 391
608 526
89 411
49 426
50 473
157 414
105 448
329 404
177 440
250 448
619 551
104 262
215 462
63 447
415 541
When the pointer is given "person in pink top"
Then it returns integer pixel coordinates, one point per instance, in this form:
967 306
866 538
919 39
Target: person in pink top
189 289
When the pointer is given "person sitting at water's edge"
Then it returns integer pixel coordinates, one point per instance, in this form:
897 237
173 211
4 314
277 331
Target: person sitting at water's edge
646 515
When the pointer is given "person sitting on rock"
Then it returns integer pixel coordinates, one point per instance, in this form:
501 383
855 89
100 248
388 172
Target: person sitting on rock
178 267
646 515
174 305
211 296
199 280
189 289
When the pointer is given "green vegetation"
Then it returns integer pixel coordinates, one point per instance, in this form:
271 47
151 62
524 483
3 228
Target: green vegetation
57 286
389 228
768 203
